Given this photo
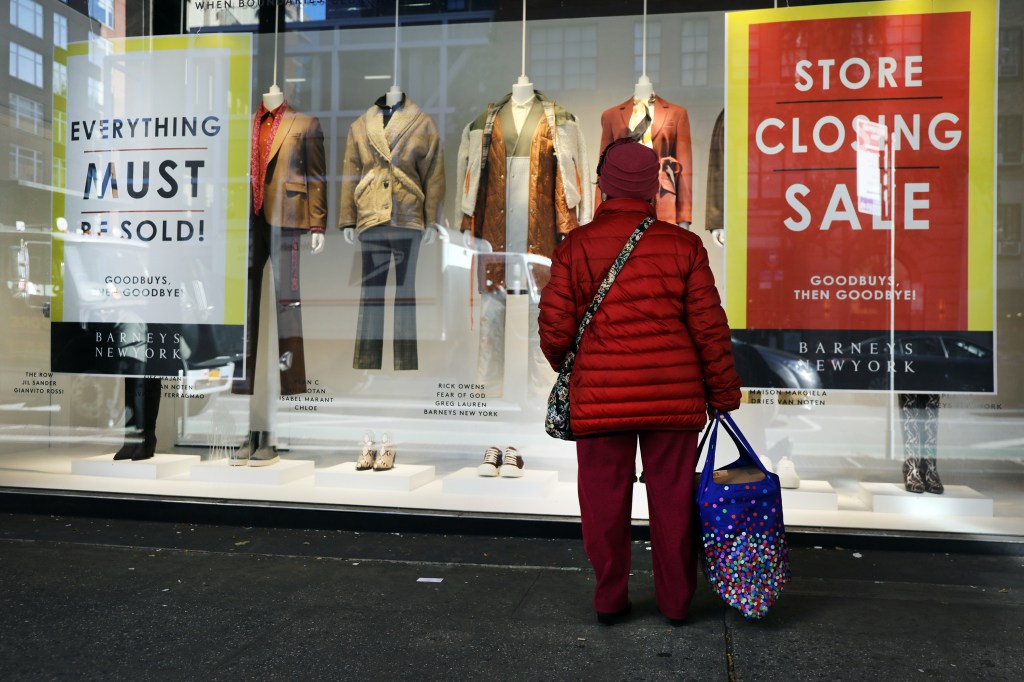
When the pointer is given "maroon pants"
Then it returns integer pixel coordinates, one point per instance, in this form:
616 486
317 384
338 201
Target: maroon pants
605 480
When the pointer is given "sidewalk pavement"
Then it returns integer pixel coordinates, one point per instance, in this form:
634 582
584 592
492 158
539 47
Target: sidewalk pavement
99 599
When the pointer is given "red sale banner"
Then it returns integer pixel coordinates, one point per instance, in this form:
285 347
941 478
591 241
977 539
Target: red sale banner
817 276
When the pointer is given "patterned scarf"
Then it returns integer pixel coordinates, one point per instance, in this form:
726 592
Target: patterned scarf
640 122
259 158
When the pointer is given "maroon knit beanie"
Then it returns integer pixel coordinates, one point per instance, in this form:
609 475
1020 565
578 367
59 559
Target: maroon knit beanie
628 169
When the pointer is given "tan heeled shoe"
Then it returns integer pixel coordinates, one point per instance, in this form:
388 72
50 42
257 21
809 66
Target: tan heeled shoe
367 455
385 456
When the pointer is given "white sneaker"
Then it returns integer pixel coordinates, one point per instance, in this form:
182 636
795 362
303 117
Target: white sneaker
492 460
788 478
512 464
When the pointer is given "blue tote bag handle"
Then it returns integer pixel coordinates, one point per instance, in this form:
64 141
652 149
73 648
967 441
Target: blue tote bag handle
742 445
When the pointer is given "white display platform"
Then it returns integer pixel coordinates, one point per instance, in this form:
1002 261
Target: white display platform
157 466
285 471
401 478
957 500
811 495
467 482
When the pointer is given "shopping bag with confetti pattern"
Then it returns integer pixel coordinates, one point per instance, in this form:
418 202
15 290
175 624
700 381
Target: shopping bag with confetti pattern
746 559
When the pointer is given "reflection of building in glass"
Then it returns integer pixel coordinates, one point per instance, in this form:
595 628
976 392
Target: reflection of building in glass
38 30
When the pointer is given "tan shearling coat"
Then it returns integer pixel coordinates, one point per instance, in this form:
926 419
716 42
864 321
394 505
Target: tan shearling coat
392 175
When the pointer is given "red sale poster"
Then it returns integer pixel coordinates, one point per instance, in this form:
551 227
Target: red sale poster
870 302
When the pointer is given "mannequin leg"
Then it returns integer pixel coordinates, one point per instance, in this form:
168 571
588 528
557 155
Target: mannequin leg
151 388
405 245
272 367
259 252
376 263
290 357
929 444
490 366
134 408
264 388
910 422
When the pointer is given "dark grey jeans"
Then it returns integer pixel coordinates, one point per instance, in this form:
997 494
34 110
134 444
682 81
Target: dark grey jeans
381 246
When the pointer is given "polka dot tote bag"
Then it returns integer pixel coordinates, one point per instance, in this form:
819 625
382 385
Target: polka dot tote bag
746 559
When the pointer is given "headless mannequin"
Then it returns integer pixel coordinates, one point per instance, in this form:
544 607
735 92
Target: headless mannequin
392 98
643 91
263 404
522 91
272 99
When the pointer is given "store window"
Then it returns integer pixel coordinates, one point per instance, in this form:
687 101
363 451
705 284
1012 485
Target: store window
60 79
564 58
695 59
28 16
1011 150
1008 230
26 64
95 92
60 31
1010 52
59 173
99 47
102 11
652 49
59 127
28 113
419 347
25 164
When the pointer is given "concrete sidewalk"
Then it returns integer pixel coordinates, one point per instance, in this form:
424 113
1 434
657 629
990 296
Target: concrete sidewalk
98 599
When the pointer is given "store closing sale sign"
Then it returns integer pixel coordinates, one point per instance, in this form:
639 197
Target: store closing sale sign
880 287
149 249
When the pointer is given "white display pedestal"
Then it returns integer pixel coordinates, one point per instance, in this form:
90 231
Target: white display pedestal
158 466
467 482
958 500
285 471
401 478
816 495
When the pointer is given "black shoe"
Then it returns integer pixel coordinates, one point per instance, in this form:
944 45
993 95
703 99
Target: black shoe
146 449
132 443
616 617
677 622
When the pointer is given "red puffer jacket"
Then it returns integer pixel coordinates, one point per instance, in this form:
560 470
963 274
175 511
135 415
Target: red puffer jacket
658 352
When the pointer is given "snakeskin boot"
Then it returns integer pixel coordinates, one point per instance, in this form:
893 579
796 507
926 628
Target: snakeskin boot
932 484
912 479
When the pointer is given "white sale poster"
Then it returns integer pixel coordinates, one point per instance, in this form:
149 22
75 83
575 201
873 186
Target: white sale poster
150 233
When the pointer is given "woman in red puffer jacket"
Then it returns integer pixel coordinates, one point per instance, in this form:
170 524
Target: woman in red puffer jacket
654 360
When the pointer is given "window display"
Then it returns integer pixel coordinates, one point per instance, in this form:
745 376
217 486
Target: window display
181 324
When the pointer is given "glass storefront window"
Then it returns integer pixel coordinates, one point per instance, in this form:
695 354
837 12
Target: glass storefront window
28 16
407 327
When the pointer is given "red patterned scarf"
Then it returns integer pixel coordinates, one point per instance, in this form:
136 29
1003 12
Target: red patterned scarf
259 158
